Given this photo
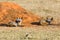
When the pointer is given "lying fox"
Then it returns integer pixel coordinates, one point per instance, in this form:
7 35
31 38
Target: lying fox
12 24
46 21
17 22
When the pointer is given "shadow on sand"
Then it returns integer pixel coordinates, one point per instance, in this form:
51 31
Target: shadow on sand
35 23
38 23
6 25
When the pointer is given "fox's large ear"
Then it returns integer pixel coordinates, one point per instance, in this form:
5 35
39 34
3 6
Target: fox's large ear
52 18
21 17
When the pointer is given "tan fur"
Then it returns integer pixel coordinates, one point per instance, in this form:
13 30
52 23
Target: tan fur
12 24
20 23
43 22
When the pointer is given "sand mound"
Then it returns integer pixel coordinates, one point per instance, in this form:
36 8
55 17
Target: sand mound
10 11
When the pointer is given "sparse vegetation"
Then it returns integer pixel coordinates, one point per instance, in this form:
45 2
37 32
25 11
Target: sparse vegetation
20 33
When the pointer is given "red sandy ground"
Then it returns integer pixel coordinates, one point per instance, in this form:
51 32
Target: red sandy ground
10 11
